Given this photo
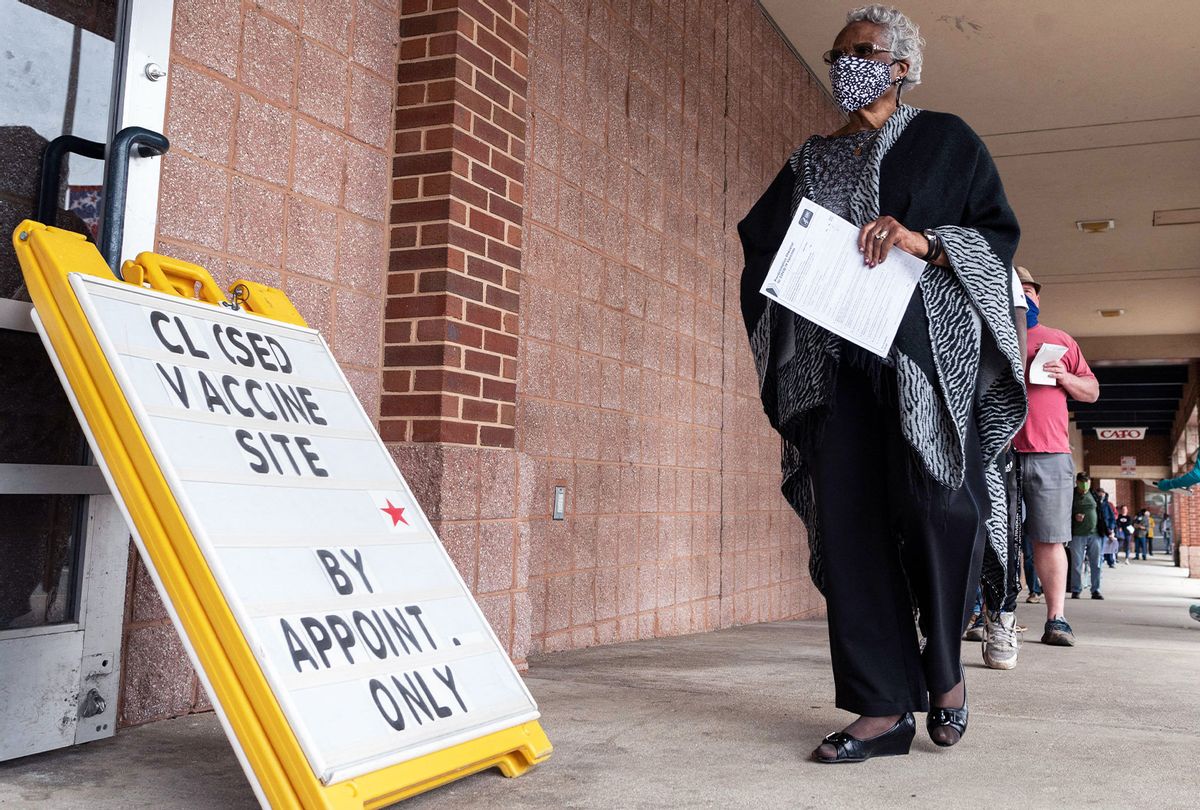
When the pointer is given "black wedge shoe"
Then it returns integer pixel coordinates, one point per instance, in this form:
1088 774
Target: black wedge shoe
894 742
956 719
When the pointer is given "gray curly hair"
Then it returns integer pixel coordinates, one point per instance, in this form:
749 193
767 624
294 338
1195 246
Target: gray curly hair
904 36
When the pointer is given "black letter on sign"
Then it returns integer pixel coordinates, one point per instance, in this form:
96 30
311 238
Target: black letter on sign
412 697
243 438
363 621
319 637
263 352
235 339
448 680
176 385
192 350
221 343
281 357
341 582
395 719
302 444
310 406
157 319
296 647
343 634
442 711
211 395
356 560
283 441
415 612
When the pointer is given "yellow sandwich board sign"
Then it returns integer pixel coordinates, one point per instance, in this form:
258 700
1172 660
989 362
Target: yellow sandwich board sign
347 660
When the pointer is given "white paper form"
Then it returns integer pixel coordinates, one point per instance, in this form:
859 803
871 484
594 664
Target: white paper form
1047 353
819 274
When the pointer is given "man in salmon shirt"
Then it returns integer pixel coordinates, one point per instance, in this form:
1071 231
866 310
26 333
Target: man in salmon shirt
1047 469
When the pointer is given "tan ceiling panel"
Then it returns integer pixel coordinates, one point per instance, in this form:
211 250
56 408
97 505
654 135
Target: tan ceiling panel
1151 307
1050 192
1093 137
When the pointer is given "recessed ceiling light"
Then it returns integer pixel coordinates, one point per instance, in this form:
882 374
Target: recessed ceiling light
1095 225
1111 313
1177 216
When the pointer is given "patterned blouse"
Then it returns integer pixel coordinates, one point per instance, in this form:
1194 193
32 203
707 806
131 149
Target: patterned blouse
837 165
836 168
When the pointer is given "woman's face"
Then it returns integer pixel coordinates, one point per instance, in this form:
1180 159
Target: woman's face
863 31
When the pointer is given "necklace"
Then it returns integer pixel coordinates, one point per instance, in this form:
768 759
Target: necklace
866 144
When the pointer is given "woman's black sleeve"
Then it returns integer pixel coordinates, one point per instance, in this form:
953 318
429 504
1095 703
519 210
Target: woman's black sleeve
987 209
762 233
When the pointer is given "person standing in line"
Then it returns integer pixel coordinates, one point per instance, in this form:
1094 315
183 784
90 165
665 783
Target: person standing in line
1125 531
1047 469
1107 527
934 431
1167 527
1149 532
1141 528
1085 538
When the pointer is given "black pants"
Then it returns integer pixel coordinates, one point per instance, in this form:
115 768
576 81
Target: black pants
892 538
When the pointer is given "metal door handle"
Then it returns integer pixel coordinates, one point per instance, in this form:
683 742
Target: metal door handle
51 171
116 180
116 186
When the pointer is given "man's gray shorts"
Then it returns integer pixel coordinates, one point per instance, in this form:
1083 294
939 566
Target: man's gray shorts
1048 487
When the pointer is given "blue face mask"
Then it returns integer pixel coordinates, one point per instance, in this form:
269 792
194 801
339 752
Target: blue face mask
1031 314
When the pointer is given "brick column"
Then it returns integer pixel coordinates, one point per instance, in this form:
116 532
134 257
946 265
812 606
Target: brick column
450 341
1185 515
1185 509
448 405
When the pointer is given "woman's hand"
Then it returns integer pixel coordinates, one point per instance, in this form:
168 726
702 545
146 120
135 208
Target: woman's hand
878 237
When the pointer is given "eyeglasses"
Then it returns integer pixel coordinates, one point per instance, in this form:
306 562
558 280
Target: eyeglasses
863 50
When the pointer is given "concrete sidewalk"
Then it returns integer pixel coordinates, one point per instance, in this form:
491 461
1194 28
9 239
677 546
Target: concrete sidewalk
727 720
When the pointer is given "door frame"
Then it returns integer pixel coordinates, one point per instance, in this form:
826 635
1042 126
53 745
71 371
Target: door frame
47 673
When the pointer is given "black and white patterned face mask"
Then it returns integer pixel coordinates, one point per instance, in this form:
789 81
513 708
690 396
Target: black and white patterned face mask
857 82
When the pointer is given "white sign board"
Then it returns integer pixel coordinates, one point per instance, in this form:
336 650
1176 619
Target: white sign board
1121 434
1128 465
370 640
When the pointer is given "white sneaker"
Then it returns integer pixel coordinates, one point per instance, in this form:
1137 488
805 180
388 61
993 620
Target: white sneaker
1000 643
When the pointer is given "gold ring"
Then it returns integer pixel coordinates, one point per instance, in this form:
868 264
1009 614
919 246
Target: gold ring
881 235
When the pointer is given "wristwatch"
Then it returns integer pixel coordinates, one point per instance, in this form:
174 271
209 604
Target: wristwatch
935 245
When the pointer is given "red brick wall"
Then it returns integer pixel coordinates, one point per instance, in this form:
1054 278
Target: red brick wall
1126 496
279 115
1185 513
1185 509
458 181
1150 451
454 283
653 127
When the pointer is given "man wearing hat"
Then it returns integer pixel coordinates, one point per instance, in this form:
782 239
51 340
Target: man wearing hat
1047 468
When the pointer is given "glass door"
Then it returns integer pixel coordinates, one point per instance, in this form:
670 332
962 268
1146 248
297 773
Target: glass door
67 67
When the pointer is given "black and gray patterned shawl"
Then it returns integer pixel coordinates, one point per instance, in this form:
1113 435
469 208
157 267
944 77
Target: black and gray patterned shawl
956 355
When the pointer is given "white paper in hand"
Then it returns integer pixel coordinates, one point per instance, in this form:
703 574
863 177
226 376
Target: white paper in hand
819 274
1048 353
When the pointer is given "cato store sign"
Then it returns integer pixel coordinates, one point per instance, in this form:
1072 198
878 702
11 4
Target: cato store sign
1121 433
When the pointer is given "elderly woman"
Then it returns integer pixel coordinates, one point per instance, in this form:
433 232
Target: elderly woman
923 428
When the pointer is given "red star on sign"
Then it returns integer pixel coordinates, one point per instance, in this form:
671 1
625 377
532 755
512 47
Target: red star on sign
396 513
